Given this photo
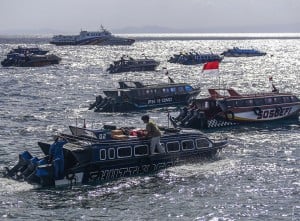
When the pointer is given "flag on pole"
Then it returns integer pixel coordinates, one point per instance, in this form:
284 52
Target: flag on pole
211 68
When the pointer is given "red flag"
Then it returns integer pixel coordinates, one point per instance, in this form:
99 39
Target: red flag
211 67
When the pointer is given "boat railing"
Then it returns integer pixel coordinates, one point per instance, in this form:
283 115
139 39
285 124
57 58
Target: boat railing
75 139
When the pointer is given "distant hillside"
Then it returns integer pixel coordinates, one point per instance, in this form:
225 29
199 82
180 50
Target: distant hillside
291 28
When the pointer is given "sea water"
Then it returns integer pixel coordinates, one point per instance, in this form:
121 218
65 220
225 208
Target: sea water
257 177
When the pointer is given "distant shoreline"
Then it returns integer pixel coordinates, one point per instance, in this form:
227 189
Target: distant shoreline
176 36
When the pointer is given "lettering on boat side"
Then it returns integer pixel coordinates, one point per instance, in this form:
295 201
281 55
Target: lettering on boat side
160 100
102 136
271 113
128 171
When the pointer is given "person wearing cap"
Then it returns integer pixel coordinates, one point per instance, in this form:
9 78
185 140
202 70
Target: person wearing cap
154 134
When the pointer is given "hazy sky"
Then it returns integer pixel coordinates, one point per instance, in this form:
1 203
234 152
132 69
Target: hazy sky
73 15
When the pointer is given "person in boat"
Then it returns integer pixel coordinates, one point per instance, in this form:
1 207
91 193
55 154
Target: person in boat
154 134
56 157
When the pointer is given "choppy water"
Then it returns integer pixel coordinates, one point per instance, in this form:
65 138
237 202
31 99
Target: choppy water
256 178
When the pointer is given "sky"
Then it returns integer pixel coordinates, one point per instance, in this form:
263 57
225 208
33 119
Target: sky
71 16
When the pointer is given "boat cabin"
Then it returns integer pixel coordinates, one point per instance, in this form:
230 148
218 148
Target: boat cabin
138 90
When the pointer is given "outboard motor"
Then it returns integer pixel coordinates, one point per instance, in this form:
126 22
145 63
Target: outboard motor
187 117
101 105
98 101
191 121
31 167
46 175
21 166
32 177
182 114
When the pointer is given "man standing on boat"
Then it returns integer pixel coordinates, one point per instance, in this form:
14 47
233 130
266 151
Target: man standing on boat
154 133
56 157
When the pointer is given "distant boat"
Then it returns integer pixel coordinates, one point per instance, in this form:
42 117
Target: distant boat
126 64
133 95
192 58
25 50
29 60
237 52
102 37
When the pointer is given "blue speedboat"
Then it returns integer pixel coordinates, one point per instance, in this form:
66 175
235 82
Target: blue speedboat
100 155
237 52
135 96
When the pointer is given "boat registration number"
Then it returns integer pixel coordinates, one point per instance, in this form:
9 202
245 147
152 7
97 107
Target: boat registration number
160 100
272 113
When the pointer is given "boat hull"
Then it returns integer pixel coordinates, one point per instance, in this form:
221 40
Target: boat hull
243 55
144 104
237 116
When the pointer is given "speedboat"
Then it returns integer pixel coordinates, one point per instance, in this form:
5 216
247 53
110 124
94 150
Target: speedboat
232 108
193 57
99 155
126 64
29 60
134 95
237 52
102 37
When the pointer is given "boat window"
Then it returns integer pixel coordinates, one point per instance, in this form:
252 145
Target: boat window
268 100
140 150
249 102
166 90
111 153
294 99
102 154
180 89
259 101
187 145
173 146
277 100
202 143
173 89
229 103
124 152
240 103
140 92
286 99
188 88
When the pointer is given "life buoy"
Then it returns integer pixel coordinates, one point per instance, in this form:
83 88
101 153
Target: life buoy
229 115
257 110
70 176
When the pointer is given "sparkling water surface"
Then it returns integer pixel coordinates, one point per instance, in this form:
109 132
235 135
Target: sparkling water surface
257 177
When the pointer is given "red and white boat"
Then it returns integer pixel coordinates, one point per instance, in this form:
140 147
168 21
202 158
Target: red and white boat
232 108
